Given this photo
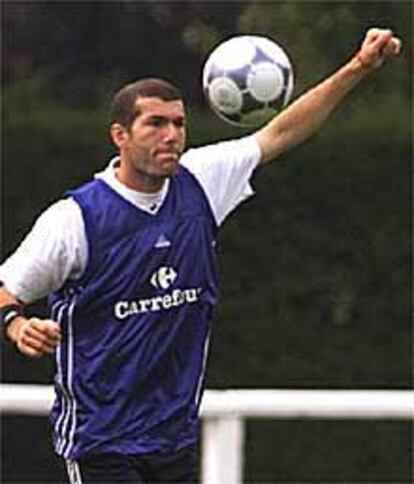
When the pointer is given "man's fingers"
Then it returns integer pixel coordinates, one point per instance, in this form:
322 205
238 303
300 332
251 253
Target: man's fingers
45 327
38 337
38 345
393 47
377 42
378 36
41 337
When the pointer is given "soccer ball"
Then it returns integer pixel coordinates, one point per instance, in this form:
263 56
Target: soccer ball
247 80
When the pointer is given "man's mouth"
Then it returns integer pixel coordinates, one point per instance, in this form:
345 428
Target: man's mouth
168 155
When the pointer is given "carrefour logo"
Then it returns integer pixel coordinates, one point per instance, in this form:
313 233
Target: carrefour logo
162 279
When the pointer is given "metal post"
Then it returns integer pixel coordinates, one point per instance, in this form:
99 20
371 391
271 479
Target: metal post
222 450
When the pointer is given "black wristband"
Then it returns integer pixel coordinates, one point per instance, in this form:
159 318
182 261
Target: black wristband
8 313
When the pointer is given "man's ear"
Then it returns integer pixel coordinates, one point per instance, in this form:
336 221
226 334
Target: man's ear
119 134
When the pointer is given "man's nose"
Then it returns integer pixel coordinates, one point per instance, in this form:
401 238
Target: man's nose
172 133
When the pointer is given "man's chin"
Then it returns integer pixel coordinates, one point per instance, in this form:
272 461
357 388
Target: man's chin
169 168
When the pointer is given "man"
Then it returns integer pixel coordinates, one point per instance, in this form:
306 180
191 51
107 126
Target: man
128 263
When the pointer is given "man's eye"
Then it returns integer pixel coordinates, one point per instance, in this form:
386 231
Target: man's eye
156 122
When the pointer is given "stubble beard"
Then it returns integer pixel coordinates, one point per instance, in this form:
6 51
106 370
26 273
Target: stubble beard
154 177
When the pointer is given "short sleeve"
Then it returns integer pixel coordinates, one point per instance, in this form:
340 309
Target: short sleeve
54 250
224 170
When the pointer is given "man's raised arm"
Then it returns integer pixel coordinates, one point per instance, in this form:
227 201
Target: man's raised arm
304 116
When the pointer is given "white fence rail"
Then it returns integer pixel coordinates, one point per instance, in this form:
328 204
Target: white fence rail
224 411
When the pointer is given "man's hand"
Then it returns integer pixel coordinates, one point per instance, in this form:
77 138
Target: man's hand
34 337
378 45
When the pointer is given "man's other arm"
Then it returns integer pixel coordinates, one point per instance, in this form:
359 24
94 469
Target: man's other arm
305 116
33 337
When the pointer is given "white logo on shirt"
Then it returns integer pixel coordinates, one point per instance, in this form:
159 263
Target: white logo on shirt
162 242
163 277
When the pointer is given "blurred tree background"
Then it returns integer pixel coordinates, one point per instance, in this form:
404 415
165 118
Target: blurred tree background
316 269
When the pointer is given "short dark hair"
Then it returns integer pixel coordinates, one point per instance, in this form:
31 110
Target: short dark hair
123 109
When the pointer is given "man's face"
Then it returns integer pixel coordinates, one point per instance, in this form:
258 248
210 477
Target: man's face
152 147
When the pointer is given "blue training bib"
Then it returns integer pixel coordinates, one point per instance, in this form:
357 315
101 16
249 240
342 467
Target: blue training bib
135 327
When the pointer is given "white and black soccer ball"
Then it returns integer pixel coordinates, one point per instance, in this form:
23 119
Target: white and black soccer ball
247 80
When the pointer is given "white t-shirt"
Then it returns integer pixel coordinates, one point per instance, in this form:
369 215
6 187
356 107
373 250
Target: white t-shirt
55 249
